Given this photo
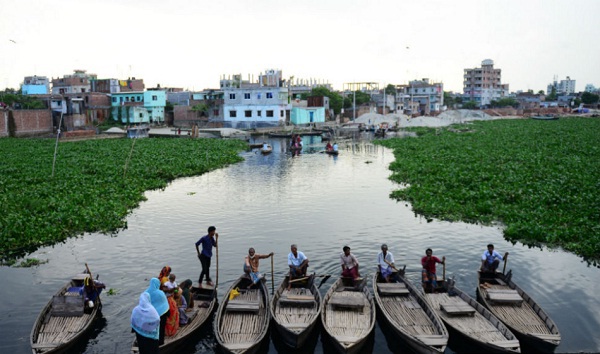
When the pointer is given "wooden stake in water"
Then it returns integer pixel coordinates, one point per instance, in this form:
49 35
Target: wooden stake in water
56 146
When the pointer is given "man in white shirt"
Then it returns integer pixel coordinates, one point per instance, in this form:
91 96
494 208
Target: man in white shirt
490 259
385 263
298 264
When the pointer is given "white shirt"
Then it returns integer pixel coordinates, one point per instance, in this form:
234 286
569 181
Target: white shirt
349 261
381 260
296 261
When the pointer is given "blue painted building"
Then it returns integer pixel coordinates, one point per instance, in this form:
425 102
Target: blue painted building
138 107
35 85
307 115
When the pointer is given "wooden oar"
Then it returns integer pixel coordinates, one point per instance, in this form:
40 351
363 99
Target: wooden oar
327 276
272 278
316 276
444 268
93 285
217 276
505 261
391 265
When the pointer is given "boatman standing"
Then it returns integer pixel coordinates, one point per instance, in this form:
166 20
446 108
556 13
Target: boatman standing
208 242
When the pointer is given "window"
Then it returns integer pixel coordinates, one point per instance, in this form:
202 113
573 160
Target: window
216 112
247 95
154 98
269 113
248 114
269 94
259 113
114 99
281 113
232 96
121 99
141 115
258 96
232 114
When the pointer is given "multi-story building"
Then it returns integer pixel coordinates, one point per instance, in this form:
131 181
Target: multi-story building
564 87
115 85
35 85
482 85
196 108
139 107
250 104
78 82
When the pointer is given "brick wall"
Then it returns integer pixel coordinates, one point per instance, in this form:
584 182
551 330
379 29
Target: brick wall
28 122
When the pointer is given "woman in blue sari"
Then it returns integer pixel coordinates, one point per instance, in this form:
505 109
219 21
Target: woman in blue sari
160 303
145 322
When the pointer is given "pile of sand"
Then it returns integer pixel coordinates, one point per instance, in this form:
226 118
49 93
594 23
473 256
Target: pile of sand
442 120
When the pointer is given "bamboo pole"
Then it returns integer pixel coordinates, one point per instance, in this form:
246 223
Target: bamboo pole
93 285
272 277
217 277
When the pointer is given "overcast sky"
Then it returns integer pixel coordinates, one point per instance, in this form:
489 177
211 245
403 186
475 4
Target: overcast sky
192 43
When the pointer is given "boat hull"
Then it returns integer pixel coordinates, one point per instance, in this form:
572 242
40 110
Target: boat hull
508 313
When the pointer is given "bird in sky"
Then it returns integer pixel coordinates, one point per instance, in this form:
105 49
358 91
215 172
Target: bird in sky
12 41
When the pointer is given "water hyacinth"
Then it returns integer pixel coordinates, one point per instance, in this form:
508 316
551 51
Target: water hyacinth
540 179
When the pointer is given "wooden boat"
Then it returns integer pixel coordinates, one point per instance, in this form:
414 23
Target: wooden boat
474 323
296 311
348 315
518 311
410 316
65 320
205 300
549 117
242 322
267 150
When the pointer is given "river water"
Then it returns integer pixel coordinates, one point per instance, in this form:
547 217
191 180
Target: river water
268 202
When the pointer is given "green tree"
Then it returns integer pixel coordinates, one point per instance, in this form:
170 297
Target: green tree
552 95
540 92
335 100
449 99
589 98
390 89
470 105
505 102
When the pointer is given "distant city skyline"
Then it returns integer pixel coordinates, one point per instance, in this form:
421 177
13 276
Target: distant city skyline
192 44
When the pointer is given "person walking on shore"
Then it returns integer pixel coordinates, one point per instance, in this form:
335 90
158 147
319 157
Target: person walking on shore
208 242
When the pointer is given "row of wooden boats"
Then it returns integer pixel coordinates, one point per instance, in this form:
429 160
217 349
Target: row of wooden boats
505 320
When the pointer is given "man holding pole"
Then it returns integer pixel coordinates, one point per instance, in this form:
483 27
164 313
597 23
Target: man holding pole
428 274
490 259
208 242
251 264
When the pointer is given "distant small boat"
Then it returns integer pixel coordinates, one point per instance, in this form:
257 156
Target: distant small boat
65 319
266 150
523 316
548 117
138 132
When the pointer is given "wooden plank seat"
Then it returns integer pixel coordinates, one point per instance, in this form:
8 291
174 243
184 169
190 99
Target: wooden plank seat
243 306
433 339
297 300
347 339
296 325
457 308
67 306
353 302
44 345
504 296
506 343
392 289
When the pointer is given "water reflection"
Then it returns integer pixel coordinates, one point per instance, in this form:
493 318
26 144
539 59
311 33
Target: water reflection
268 202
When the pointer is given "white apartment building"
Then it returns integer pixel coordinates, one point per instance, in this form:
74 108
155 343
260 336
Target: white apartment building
483 85
563 87
248 104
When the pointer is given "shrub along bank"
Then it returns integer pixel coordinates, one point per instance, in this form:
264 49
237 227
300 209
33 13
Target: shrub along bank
95 185
541 179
